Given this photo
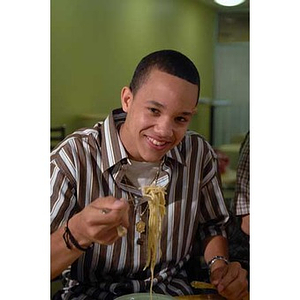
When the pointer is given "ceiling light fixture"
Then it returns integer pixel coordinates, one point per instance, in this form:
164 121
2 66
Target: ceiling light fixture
229 2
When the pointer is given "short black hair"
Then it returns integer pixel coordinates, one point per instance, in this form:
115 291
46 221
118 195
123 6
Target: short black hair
169 61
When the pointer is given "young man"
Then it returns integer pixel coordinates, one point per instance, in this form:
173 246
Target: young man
96 180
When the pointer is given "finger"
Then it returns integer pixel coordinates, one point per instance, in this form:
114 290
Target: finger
115 209
111 203
122 207
108 217
103 202
120 204
233 271
119 210
108 236
244 295
94 221
108 204
217 275
235 289
100 206
121 230
233 292
118 218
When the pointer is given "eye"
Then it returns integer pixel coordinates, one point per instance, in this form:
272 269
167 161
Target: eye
182 119
154 111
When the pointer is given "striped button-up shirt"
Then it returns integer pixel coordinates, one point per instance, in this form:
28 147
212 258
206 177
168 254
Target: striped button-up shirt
89 164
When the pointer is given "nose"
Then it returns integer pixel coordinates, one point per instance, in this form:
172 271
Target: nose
164 128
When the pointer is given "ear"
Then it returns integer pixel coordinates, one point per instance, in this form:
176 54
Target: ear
126 98
195 110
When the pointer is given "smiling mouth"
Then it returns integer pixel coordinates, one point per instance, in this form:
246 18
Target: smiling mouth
156 142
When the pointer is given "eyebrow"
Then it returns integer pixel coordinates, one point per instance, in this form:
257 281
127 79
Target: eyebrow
158 104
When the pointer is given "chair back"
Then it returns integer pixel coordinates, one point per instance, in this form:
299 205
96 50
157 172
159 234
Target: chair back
58 133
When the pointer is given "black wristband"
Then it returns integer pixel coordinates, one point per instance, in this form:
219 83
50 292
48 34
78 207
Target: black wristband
67 236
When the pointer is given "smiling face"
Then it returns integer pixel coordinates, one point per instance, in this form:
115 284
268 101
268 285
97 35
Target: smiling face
158 115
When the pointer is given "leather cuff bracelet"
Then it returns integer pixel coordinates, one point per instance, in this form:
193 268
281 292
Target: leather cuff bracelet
68 237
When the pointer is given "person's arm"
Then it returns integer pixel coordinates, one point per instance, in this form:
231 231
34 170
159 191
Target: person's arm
61 256
215 246
229 278
245 225
88 226
242 192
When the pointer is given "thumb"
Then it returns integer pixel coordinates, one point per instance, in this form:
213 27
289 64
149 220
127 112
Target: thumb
216 276
122 207
120 204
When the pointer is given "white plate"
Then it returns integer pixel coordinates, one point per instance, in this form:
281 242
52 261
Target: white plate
144 296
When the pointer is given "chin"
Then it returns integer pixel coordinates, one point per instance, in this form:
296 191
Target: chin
151 155
153 158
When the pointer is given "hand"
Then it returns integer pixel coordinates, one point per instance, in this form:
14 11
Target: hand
230 280
92 225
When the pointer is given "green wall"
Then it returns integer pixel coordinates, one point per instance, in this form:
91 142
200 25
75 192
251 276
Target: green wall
96 44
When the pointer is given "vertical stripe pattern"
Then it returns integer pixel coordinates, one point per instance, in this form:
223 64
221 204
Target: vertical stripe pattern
88 164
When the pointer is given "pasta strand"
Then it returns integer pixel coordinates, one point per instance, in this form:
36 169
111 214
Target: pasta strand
157 211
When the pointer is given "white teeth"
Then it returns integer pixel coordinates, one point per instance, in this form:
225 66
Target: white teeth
155 142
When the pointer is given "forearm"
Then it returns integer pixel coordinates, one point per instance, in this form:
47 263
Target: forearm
215 246
86 227
245 226
61 256
229 278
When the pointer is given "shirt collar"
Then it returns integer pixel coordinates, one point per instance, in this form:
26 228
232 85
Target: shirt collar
176 154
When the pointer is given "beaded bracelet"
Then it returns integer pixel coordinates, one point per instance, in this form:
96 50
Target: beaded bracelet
67 236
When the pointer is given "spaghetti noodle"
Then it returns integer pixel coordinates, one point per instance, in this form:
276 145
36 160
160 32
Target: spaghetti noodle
157 210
